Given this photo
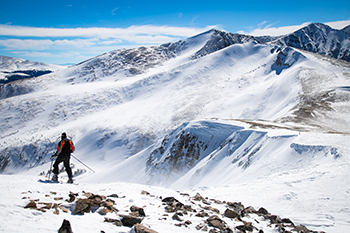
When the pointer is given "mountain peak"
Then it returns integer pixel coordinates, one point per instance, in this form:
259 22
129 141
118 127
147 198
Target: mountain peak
319 38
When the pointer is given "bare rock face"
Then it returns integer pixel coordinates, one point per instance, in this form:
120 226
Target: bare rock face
65 228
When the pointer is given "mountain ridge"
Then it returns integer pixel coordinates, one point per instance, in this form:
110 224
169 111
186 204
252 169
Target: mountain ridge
152 91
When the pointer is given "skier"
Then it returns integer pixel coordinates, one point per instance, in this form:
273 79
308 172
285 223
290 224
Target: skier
64 148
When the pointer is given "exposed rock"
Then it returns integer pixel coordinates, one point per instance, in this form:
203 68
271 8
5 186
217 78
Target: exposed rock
116 222
302 229
248 226
170 200
202 215
113 195
108 203
63 209
46 205
31 205
129 220
170 209
273 218
287 221
188 222
263 211
65 228
176 217
188 208
198 197
212 209
202 226
138 228
145 192
217 222
236 206
139 210
232 214
248 210
214 223
71 197
82 206
105 211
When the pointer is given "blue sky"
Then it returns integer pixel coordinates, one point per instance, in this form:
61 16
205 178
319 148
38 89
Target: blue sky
63 31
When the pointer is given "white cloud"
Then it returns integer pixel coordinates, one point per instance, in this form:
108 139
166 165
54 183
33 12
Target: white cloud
17 44
339 24
30 44
10 30
278 31
114 10
44 42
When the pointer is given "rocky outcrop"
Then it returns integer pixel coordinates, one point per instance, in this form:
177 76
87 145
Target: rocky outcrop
213 215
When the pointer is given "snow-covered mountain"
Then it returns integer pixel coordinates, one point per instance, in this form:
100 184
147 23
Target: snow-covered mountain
212 110
12 69
321 39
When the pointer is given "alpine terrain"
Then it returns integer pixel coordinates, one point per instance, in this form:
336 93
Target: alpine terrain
260 120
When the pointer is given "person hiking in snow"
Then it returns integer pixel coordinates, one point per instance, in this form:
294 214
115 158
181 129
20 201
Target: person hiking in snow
64 148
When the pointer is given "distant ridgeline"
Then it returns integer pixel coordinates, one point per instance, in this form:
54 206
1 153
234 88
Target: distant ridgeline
22 74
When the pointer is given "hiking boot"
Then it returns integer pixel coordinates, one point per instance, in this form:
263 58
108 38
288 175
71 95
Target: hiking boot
55 178
70 181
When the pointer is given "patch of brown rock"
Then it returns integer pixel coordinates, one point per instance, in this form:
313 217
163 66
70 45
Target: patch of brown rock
245 219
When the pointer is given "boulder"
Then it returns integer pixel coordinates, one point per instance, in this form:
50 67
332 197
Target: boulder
116 222
263 211
129 220
177 217
248 226
82 206
139 210
113 195
31 205
65 228
248 210
105 211
216 222
236 206
232 214
138 228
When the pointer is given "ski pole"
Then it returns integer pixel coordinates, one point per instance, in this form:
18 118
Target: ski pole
50 167
82 163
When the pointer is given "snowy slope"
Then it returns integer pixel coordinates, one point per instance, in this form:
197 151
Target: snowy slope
211 110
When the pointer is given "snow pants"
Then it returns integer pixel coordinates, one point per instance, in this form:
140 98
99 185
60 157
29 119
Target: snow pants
65 160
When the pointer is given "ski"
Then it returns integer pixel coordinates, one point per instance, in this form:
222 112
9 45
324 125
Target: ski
54 182
48 181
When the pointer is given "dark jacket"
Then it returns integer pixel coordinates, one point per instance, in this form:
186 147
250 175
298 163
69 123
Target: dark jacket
65 147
